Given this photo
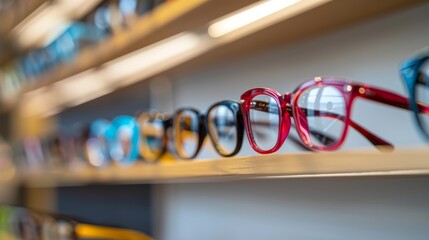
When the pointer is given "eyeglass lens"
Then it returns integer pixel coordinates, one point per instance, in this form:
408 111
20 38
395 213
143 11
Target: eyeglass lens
422 94
324 112
264 119
221 123
123 139
152 134
96 145
186 128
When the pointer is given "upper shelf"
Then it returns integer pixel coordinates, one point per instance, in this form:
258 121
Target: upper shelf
166 20
11 16
310 22
303 20
297 165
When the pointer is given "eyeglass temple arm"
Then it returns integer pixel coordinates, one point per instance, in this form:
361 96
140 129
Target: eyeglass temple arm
389 98
88 231
374 139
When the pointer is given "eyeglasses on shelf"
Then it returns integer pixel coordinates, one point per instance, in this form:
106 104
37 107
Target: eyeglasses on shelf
188 128
320 109
22 223
126 137
116 141
153 135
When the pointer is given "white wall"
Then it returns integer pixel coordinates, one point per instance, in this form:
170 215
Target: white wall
313 208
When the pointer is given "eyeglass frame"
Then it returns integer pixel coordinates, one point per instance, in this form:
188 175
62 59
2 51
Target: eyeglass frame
203 130
289 109
410 72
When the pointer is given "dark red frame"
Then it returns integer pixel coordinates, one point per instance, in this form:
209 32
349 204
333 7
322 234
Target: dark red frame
289 109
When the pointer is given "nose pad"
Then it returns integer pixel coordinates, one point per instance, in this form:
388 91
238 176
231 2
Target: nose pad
286 124
302 125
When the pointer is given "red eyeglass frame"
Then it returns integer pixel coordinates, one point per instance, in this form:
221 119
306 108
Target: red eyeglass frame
287 107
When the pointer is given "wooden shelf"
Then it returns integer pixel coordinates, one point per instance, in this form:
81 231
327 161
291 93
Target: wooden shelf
10 19
324 16
166 20
298 165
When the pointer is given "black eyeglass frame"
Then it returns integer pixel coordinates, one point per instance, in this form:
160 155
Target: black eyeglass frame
203 130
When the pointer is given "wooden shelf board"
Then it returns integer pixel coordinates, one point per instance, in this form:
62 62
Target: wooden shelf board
10 19
323 18
326 17
20 10
166 20
297 165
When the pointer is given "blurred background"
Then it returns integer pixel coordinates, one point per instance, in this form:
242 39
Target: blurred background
65 64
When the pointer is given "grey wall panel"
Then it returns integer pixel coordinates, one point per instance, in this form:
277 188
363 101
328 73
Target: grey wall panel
336 208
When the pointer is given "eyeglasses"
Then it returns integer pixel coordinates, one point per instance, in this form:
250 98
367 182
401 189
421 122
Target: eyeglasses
123 139
21 223
48 152
415 74
153 135
95 146
320 109
117 140
222 123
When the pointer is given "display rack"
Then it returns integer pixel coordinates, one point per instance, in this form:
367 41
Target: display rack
297 165
166 20
178 16
80 190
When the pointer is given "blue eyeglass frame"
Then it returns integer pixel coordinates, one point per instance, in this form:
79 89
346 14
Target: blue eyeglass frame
112 136
410 70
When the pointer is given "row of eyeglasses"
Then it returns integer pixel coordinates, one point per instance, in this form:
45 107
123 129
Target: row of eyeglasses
319 110
25 224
